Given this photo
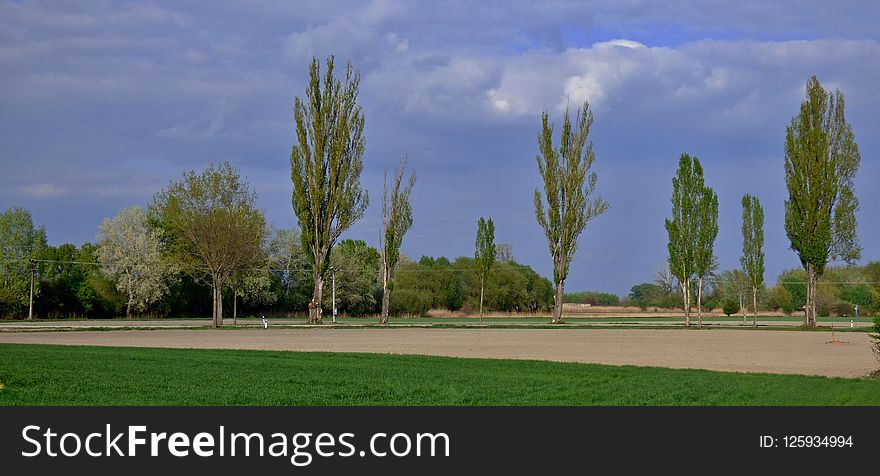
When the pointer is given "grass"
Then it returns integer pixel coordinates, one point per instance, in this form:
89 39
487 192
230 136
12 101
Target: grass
64 375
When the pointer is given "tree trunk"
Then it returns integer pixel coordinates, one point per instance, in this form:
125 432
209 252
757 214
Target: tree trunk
557 309
700 304
482 287
754 307
686 298
742 309
315 305
810 306
234 309
386 295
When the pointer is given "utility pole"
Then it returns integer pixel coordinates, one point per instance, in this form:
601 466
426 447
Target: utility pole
333 278
741 308
33 278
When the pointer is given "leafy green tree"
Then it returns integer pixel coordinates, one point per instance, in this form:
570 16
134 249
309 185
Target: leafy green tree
568 186
253 286
20 245
291 272
325 166
730 307
357 277
692 229
752 259
706 231
396 221
821 160
212 227
132 256
484 256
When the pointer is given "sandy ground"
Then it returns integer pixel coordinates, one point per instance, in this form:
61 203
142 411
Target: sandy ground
783 352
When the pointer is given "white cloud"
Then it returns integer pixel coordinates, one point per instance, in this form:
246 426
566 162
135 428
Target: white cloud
208 124
43 190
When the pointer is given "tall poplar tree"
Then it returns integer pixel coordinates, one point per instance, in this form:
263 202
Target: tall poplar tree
396 221
484 255
706 231
692 230
568 187
752 259
821 160
325 165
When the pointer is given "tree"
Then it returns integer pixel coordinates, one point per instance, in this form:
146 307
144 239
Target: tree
357 277
131 254
752 259
325 166
706 231
290 269
568 186
253 286
730 307
821 160
21 244
484 255
692 229
504 253
211 227
396 221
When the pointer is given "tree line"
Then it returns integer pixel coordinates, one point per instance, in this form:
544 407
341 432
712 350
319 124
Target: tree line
205 232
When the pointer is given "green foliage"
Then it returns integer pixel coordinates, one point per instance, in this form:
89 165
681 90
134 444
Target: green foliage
396 221
325 166
357 278
484 254
594 298
693 227
731 306
752 259
211 227
568 187
410 302
20 242
821 160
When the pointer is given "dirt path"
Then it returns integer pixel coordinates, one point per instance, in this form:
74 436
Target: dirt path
733 350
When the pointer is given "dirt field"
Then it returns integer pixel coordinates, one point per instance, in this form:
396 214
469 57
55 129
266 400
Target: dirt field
785 352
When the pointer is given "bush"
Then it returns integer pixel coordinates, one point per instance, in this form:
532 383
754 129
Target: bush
730 307
410 302
842 309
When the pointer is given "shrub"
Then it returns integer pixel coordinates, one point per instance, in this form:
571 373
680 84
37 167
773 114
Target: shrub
842 309
410 302
730 307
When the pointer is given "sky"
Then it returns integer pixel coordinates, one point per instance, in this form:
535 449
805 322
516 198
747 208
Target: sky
102 103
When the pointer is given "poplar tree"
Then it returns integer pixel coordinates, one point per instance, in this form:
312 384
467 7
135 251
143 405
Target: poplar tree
396 221
752 260
484 256
325 166
821 160
568 187
692 230
706 231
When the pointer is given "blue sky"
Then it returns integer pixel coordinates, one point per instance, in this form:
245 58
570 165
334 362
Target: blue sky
102 103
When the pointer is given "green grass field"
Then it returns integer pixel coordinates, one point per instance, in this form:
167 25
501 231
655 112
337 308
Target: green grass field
62 375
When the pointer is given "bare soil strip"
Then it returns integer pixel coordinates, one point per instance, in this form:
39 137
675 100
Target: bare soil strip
780 352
